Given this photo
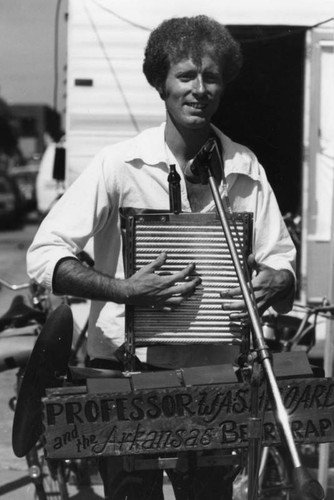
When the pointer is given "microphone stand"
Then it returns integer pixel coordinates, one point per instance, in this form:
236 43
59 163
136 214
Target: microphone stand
307 488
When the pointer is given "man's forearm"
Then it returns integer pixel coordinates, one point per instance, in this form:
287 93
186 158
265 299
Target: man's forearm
144 288
71 277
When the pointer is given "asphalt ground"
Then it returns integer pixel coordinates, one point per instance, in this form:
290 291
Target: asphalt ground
15 483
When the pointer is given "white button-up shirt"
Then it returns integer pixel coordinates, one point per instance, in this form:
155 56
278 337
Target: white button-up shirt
134 174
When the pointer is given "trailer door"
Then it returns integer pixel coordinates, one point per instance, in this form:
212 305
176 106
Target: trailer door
318 167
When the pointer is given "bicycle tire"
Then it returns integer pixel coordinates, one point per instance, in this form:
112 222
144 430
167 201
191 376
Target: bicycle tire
275 483
55 479
50 478
62 479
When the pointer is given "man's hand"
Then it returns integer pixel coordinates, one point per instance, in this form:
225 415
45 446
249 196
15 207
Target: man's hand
270 287
149 288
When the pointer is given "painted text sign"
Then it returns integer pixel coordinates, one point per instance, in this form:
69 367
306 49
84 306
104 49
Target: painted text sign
186 418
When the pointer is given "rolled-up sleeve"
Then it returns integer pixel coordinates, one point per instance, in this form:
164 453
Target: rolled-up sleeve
70 224
272 244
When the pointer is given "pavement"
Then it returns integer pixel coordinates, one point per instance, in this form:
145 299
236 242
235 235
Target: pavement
15 483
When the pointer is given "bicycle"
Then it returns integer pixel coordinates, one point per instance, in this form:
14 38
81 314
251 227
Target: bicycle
25 321
284 333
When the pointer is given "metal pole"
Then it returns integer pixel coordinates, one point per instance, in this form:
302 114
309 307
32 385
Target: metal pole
261 347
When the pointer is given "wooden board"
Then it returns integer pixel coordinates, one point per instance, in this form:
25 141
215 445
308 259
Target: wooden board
203 417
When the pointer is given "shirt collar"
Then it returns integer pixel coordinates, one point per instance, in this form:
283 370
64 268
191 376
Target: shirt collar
149 147
238 159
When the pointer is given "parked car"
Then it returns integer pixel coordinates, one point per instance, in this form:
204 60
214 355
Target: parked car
25 177
11 203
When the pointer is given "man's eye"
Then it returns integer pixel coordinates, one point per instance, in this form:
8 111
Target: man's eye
185 77
212 78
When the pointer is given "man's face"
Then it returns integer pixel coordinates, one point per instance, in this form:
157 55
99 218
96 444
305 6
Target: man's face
192 92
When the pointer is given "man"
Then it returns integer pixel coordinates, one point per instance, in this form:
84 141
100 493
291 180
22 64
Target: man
189 61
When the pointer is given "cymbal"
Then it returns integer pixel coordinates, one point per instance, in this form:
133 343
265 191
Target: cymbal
48 360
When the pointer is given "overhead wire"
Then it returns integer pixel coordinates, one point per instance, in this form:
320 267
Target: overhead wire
121 18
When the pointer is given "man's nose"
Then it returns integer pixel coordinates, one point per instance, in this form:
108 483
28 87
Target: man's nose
199 85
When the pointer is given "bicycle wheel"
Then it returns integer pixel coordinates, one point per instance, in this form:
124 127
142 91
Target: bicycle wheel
55 479
274 480
49 477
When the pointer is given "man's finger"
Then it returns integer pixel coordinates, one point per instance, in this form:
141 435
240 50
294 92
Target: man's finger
181 275
159 261
171 302
184 288
240 316
233 305
231 293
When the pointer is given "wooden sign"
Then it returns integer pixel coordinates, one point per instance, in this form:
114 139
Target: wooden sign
205 417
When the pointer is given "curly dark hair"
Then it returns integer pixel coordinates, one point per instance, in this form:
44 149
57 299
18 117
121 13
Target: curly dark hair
183 37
